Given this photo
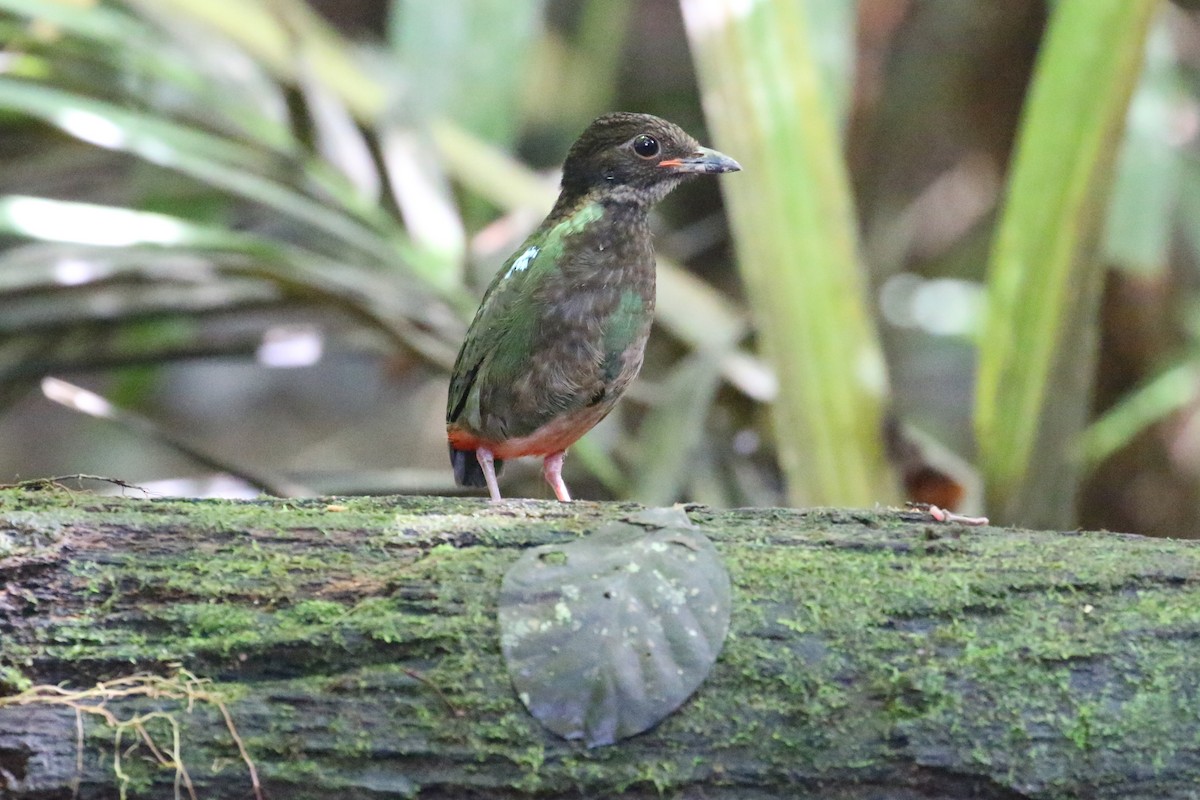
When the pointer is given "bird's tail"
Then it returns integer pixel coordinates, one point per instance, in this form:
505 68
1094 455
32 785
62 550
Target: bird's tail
467 471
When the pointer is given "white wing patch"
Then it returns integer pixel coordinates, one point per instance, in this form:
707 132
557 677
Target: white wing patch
523 261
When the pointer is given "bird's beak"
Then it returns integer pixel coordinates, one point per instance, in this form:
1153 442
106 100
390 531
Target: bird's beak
704 161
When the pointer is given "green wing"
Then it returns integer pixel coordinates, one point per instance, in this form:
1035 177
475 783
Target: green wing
509 291
500 337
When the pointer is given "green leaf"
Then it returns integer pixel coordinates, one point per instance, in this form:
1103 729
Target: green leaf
99 22
1151 167
411 318
1036 351
1171 391
206 157
270 29
338 137
675 429
607 635
108 226
469 59
226 84
795 233
831 33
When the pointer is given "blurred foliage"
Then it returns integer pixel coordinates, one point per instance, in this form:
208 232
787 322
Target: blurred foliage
196 195
271 164
795 232
1036 352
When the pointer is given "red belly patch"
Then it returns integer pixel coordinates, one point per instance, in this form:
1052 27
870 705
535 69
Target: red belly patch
556 435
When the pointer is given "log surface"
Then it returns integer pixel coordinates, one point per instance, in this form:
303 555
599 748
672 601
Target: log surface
354 643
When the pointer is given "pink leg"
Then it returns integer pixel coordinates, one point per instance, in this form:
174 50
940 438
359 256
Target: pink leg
552 470
485 459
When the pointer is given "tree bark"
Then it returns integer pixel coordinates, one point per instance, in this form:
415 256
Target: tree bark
353 643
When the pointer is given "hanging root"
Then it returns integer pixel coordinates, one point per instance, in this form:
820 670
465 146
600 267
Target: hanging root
182 686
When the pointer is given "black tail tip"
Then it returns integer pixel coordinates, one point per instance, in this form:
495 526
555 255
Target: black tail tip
467 471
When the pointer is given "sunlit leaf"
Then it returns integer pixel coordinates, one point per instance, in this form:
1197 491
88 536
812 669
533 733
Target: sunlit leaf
269 30
425 199
205 74
491 173
107 226
338 137
411 318
206 157
796 238
1044 279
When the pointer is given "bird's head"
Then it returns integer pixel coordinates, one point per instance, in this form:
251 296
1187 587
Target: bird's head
637 157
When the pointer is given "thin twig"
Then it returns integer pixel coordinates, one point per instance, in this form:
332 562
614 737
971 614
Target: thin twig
56 482
412 673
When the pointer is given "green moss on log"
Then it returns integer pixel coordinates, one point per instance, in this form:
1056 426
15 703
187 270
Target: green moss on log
356 639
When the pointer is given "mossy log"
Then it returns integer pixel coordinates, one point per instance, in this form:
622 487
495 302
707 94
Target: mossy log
354 645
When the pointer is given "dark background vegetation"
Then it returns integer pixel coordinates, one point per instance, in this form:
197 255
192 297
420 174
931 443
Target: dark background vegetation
177 335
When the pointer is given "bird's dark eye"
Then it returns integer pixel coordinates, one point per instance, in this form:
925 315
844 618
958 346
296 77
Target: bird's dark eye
645 146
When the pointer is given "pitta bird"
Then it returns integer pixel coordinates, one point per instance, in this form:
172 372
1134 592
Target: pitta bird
562 328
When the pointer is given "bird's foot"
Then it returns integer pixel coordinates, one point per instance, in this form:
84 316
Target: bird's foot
552 471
